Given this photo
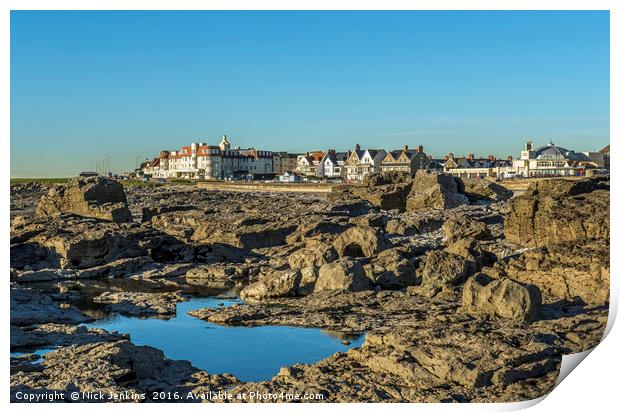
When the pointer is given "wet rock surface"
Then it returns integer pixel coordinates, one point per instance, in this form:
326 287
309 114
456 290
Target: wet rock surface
463 293
139 304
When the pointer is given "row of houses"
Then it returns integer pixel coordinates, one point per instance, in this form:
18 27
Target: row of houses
353 165
202 161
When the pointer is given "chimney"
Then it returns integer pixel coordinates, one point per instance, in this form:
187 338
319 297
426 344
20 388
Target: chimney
451 155
510 158
405 148
470 157
357 146
332 151
420 149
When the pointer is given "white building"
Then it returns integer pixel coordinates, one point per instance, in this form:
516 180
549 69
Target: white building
202 161
332 164
548 160
289 177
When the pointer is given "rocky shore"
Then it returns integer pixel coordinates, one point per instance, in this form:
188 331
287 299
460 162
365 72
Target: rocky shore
466 292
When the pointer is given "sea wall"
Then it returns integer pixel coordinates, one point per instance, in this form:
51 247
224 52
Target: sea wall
269 187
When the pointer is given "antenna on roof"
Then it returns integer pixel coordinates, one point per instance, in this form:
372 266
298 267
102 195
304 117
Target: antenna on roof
550 141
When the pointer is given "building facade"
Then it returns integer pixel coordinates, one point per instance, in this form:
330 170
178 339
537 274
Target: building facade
308 162
363 162
332 164
405 160
201 161
548 160
284 162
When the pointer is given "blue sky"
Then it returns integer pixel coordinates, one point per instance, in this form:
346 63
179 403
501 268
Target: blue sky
90 85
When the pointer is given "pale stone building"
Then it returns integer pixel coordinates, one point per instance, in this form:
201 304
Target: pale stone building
405 160
363 162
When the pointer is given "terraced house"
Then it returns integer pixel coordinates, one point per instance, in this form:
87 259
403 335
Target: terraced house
308 162
332 164
405 160
363 162
473 167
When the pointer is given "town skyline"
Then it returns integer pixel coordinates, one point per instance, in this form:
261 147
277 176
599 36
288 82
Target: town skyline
138 159
458 82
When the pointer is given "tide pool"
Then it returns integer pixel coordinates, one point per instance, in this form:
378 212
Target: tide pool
249 353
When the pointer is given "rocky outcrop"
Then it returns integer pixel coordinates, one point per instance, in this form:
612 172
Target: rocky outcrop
51 334
555 211
115 368
571 271
74 242
316 256
463 227
386 178
342 274
244 235
443 269
484 190
26 196
96 197
274 285
432 190
501 298
28 307
360 242
392 270
448 355
224 275
387 197
141 304
436 328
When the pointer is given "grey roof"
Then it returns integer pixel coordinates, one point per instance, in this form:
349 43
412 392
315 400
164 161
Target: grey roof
551 150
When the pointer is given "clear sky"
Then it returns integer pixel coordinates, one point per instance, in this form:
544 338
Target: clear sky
91 85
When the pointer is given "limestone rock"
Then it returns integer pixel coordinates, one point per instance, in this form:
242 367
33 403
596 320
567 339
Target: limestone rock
391 269
375 220
74 242
343 274
29 307
559 188
276 284
553 213
391 196
483 189
460 226
315 257
502 298
386 178
51 334
139 304
440 268
572 271
96 197
360 242
118 367
432 190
